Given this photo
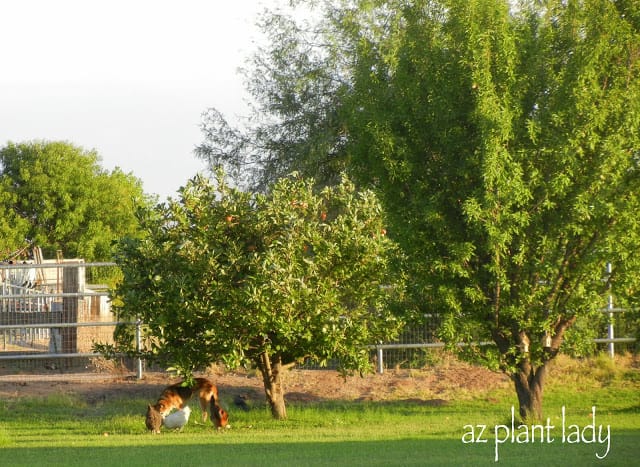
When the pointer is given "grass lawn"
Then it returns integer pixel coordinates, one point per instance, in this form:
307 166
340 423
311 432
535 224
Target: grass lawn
64 430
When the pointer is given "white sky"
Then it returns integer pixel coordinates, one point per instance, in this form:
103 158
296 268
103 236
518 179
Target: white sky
128 78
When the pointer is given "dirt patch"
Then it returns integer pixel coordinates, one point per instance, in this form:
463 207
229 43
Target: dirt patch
433 386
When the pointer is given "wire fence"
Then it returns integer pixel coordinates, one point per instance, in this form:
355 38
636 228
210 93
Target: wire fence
51 318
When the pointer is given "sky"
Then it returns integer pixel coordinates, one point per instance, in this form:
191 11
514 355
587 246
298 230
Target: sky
127 78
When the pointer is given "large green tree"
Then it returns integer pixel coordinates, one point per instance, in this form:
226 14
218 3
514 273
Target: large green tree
267 280
510 141
503 138
61 199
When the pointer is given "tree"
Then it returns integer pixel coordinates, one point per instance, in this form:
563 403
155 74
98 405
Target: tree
13 229
222 275
503 141
510 142
63 200
296 89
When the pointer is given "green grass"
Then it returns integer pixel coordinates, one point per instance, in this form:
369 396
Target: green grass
63 430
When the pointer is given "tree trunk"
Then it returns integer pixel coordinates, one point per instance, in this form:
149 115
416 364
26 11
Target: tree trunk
529 379
529 382
273 388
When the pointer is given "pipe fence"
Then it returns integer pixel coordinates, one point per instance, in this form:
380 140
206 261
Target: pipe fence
57 316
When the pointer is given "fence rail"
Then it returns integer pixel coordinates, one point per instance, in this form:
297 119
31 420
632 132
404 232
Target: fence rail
61 325
38 323
62 265
48 311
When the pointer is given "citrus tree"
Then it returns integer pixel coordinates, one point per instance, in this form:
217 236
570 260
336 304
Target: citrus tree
267 280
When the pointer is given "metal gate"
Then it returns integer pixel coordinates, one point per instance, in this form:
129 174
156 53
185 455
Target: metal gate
47 310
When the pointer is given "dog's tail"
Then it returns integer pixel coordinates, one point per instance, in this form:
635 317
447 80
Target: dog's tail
219 416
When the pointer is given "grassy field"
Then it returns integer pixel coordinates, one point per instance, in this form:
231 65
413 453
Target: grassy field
64 430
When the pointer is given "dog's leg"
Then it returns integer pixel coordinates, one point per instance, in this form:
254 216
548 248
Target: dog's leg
204 405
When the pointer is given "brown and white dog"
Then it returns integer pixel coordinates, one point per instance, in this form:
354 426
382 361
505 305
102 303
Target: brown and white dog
177 395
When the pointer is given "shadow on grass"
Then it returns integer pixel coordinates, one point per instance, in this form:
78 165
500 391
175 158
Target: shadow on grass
401 452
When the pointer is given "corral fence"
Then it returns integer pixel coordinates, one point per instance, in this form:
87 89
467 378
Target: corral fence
51 315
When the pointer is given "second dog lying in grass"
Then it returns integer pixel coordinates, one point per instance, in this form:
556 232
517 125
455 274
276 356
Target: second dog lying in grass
178 419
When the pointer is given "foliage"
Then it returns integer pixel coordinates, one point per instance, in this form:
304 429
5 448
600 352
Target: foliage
296 88
59 198
503 141
13 228
267 279
578 339
510 142
520 172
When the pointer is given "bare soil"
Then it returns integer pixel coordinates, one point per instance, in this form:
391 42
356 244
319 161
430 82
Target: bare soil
433 386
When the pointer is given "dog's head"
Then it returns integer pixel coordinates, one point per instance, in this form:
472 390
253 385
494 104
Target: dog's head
163 407
219 416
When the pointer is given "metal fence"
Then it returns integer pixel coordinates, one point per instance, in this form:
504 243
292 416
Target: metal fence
49 313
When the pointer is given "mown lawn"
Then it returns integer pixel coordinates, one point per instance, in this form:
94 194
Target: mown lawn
64 430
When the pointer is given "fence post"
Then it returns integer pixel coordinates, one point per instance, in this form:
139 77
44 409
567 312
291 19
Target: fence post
139 348
380 360
612 350
72 282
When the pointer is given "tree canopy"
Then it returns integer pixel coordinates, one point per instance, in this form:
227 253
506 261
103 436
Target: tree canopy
57 197
267 280
510 139
295 124
502 139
